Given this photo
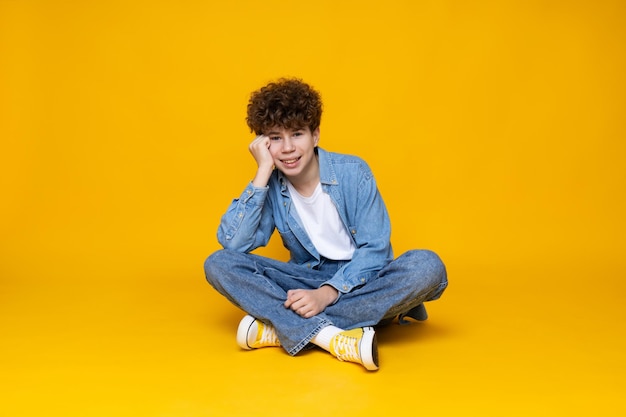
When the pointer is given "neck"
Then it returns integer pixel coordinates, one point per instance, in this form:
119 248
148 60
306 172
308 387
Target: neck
306 182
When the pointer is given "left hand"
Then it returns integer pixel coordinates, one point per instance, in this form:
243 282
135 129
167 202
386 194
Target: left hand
308 303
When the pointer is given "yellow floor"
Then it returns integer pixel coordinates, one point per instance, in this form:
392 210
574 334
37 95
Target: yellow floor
113 337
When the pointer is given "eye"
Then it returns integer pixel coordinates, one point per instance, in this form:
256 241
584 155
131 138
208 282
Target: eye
297 133
275 138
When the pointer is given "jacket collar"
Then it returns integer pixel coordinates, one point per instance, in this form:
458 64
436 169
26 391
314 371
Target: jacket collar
327 169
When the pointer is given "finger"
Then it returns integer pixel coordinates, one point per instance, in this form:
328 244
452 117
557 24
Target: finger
310 313
289 302
300 306
295 295
264 141
292 297
258 140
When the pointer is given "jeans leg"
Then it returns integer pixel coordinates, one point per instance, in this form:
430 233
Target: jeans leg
411 279
259 285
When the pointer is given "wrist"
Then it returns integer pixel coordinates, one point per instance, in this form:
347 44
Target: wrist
262 177
331 293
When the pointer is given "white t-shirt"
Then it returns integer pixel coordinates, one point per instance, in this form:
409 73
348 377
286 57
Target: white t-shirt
323 224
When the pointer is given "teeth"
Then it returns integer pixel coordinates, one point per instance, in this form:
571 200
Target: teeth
291 161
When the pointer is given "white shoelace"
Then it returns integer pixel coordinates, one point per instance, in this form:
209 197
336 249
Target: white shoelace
269 337
346 349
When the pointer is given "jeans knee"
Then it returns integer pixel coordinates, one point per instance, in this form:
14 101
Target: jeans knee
226 265
213 265
432 266
437 274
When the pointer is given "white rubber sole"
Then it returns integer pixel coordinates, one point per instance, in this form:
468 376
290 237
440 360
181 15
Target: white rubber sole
368 349
243 330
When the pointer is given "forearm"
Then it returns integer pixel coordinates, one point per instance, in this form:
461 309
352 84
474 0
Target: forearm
262 177
246 225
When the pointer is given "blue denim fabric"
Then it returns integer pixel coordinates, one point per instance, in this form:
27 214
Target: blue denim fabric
251 219
259 285
372 285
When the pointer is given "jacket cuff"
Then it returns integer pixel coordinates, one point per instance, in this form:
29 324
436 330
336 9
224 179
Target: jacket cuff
256 194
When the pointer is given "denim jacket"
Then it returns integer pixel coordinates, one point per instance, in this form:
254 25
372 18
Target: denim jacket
251 219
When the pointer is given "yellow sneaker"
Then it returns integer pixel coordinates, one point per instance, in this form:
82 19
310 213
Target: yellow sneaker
253 334
356 345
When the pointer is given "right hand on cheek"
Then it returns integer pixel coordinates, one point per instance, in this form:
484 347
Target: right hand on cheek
260 150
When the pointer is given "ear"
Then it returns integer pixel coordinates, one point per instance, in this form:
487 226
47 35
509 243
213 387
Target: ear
316 136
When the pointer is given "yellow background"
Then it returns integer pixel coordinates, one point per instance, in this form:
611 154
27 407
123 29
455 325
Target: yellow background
496 131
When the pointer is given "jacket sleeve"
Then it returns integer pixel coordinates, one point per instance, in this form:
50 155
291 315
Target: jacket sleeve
248 222
371 230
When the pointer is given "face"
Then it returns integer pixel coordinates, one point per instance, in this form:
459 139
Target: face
293 151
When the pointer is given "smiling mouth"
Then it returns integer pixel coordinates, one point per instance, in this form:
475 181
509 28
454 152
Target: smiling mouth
290 161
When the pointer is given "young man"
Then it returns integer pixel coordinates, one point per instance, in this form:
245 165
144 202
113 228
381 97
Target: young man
341 278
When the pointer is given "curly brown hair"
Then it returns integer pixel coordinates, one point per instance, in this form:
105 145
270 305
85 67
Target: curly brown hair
289 103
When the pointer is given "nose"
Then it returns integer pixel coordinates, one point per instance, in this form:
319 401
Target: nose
288 145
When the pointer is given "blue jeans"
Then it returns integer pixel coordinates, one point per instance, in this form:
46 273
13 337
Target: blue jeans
258 285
